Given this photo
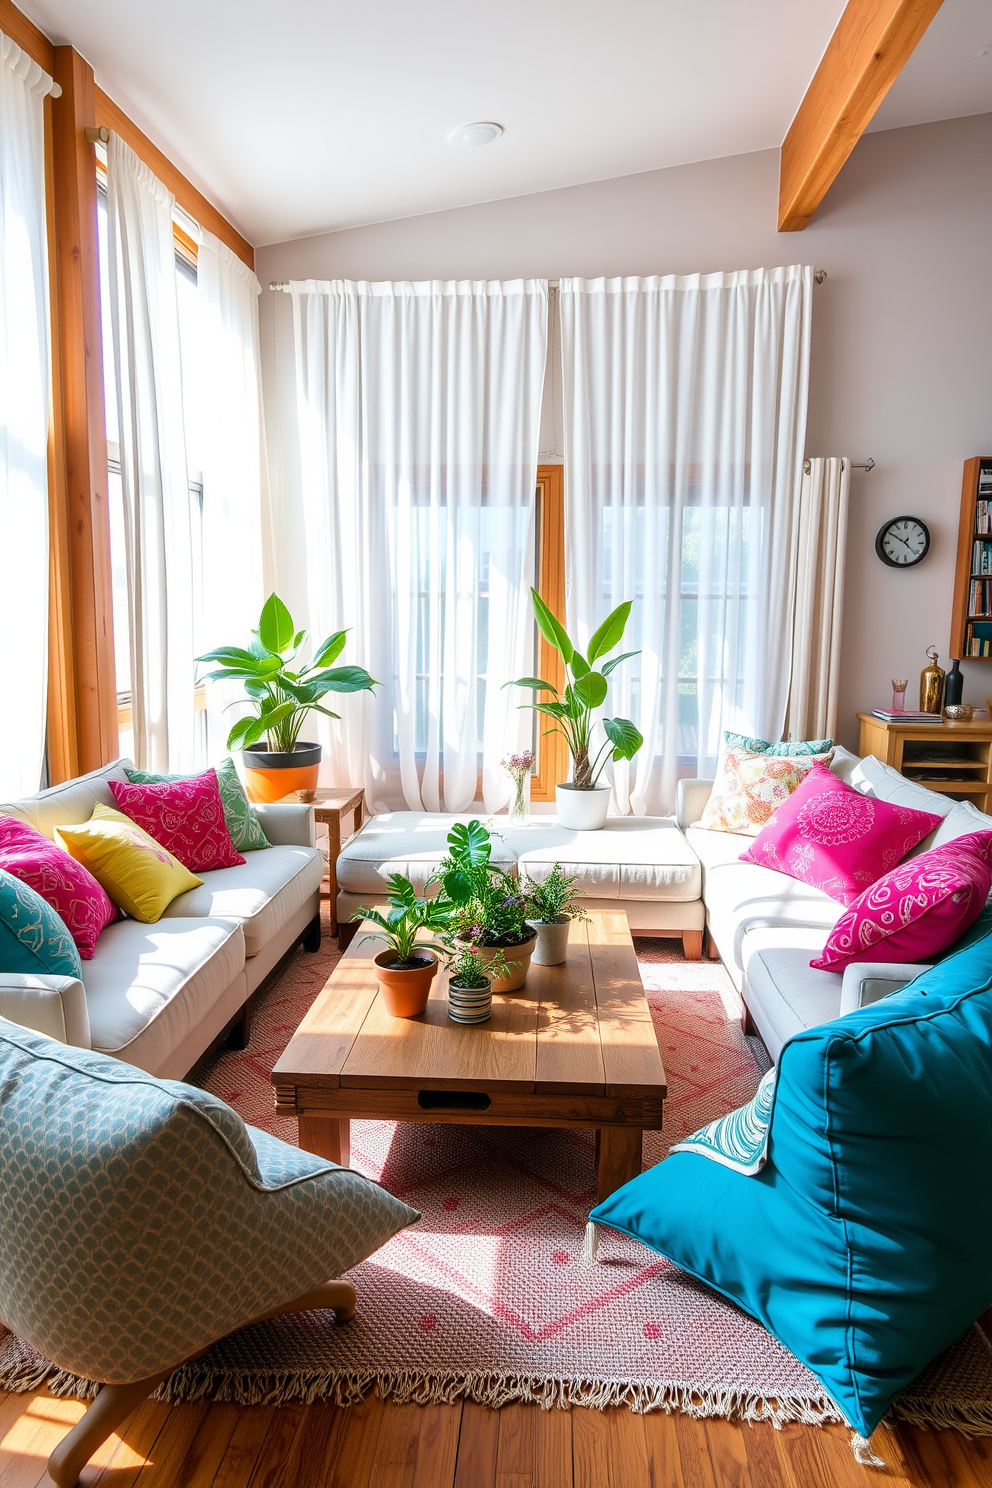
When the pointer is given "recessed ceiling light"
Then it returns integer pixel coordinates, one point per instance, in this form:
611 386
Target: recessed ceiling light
477 134
985 51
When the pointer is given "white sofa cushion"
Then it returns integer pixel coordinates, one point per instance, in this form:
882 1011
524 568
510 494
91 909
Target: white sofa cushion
632 857
68 804
408 842
784 994
262 894
962 818
168 974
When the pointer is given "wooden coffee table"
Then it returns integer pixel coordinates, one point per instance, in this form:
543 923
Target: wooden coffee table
575 1047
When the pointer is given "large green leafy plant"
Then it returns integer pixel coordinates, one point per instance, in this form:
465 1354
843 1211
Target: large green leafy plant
282 689
574 708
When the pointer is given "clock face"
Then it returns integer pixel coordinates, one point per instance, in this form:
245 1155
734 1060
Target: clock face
903 542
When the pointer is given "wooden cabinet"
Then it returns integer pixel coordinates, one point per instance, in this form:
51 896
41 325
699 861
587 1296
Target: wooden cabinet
953 758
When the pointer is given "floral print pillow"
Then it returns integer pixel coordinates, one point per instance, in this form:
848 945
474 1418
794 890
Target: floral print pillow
749 786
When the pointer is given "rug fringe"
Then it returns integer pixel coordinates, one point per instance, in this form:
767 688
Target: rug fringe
971 1418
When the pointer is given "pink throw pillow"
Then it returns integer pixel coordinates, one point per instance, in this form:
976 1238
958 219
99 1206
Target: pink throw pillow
66 885
186 817
830 836
918 909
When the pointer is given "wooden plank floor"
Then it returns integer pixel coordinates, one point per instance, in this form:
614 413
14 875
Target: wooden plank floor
380 1445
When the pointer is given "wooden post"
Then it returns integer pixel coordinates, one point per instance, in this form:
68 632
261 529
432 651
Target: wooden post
81 531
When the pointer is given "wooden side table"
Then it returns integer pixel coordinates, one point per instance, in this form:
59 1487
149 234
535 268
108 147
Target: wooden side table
931 754
329 806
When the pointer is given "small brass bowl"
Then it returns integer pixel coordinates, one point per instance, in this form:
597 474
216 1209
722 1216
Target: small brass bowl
959 713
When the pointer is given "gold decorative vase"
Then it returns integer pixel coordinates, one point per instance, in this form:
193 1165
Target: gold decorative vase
931 684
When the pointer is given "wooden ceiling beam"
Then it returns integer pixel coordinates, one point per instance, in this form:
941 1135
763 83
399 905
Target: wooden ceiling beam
872 43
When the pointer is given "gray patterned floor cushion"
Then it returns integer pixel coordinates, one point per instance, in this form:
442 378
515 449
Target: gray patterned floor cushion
143 1219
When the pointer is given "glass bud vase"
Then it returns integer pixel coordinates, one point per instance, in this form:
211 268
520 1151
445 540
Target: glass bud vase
520 801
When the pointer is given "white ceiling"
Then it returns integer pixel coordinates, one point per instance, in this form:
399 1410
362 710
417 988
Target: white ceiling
321 114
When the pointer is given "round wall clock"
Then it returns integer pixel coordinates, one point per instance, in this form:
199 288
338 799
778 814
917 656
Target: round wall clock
903 542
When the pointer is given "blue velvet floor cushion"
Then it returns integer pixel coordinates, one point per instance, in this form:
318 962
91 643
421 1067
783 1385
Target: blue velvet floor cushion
865 1242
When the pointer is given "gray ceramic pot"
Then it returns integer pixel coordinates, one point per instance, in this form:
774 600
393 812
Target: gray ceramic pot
552 941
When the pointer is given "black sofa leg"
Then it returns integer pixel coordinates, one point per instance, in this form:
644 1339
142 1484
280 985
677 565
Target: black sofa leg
311 936
240 1031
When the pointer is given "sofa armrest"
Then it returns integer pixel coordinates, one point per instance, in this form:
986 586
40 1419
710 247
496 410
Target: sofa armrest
691 799
287 823
869 981
53 1005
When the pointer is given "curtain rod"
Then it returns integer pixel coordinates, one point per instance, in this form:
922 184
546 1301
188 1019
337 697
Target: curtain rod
284 287
865 465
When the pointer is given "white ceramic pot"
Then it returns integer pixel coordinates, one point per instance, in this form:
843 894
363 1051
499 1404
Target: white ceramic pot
552 941
582 810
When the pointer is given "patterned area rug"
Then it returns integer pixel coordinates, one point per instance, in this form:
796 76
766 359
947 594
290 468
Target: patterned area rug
488 1296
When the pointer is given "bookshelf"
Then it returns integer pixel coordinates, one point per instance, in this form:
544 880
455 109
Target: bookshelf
971 614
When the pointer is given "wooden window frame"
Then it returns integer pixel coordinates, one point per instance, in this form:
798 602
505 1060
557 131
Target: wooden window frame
552 751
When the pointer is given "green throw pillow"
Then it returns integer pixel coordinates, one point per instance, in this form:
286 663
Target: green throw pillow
789 750
242 823
33 938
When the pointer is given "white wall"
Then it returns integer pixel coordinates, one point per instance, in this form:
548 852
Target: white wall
902 331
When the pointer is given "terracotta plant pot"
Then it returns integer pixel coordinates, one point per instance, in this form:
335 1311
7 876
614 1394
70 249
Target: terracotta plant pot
552 941
271 774
582 810
405 990
517 959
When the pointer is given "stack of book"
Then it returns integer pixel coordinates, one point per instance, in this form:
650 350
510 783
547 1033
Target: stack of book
980 597
911 715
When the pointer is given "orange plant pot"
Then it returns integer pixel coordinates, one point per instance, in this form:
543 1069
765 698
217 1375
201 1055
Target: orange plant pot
274 785
285 775
405 992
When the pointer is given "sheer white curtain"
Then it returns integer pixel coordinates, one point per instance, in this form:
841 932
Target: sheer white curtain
221 377
24 406
154 472
418 426
685 415
819 601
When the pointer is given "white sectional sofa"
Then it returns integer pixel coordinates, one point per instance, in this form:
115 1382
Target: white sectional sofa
640 864
767 927
158 996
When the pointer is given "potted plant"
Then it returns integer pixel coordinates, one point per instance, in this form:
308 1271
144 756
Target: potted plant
408 965
470 986
551 907
489 909
283 691
583 802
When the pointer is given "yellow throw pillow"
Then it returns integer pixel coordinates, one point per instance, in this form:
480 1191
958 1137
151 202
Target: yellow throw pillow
136 871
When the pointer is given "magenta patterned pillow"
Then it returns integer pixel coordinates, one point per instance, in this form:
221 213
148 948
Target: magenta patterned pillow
186 817
918 909
832 837
71 890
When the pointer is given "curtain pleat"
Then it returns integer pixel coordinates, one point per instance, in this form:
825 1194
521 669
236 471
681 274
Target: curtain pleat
154 471
819 599
685 416
222 386
417 430
24 412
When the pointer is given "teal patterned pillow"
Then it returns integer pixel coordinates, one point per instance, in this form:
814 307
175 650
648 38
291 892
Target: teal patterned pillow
740 1140
788 750
33 938
242 823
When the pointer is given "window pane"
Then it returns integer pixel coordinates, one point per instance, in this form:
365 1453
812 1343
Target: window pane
122 650
109 359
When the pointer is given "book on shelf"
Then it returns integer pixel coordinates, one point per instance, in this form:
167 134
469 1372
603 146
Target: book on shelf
981 557
911 715
978 638
981 516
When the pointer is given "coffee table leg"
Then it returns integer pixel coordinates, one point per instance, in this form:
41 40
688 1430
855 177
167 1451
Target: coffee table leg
327 1136
618 1158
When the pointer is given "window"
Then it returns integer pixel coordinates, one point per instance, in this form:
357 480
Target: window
188 328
